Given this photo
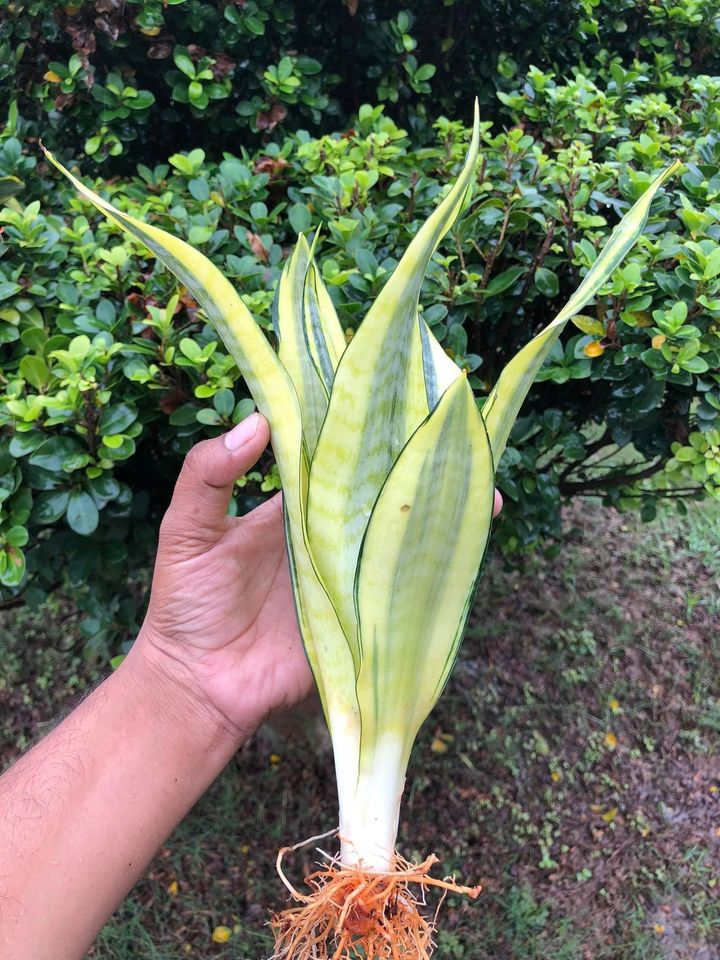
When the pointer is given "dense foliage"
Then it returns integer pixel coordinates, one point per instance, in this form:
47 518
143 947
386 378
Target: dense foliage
109 372
114 77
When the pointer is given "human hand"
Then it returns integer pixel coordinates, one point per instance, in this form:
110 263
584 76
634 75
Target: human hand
221 619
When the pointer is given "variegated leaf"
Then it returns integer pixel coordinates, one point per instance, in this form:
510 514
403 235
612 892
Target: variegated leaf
325 643
293 346
378 399
506 398
323 332
417 572
310 337
438 369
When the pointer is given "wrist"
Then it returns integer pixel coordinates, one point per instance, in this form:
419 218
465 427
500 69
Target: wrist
171 686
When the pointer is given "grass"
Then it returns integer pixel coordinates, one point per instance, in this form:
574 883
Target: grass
571 767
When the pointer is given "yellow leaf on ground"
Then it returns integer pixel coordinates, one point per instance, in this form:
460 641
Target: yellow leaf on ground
173 888
221 934
438 745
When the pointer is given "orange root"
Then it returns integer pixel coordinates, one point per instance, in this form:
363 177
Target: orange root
353 914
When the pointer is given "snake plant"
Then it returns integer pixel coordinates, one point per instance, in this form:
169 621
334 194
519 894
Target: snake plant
387 464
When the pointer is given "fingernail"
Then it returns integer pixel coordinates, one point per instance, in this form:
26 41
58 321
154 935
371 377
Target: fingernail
242 433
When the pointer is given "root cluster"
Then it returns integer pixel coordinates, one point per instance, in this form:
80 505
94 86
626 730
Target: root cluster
352 914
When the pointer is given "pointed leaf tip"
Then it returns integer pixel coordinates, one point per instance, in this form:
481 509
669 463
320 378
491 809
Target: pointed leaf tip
380 395
275 395
508 394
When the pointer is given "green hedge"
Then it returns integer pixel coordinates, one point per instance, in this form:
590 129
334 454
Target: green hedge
109 372
130 76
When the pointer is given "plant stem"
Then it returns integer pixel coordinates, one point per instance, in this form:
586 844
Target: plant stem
369 823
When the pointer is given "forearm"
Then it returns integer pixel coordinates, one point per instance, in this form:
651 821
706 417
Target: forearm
83 813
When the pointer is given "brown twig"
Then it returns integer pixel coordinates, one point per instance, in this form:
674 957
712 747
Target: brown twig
611 480
538 261
493 255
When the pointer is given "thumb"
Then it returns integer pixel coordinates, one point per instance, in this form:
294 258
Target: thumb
198 509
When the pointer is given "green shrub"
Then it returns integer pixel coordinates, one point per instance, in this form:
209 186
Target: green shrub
130 76
109 373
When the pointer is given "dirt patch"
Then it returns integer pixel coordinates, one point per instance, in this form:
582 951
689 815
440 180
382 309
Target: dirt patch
586 716
678 936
